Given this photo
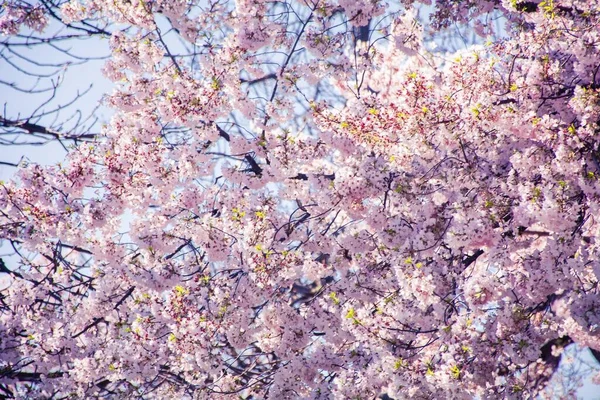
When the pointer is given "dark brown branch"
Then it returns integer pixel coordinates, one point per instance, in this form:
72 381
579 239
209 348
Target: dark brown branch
254 167
472 258
4 268
35 128
127 294
258 80
95 322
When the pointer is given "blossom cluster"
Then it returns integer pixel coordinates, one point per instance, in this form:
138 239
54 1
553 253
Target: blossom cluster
292 212
14 14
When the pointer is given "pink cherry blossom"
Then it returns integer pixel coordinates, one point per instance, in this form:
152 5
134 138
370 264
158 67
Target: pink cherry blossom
282 207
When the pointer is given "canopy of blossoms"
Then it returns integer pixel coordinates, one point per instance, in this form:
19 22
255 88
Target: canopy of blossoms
293 209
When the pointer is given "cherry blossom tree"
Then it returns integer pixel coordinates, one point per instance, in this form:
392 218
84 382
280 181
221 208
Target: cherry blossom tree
301 199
